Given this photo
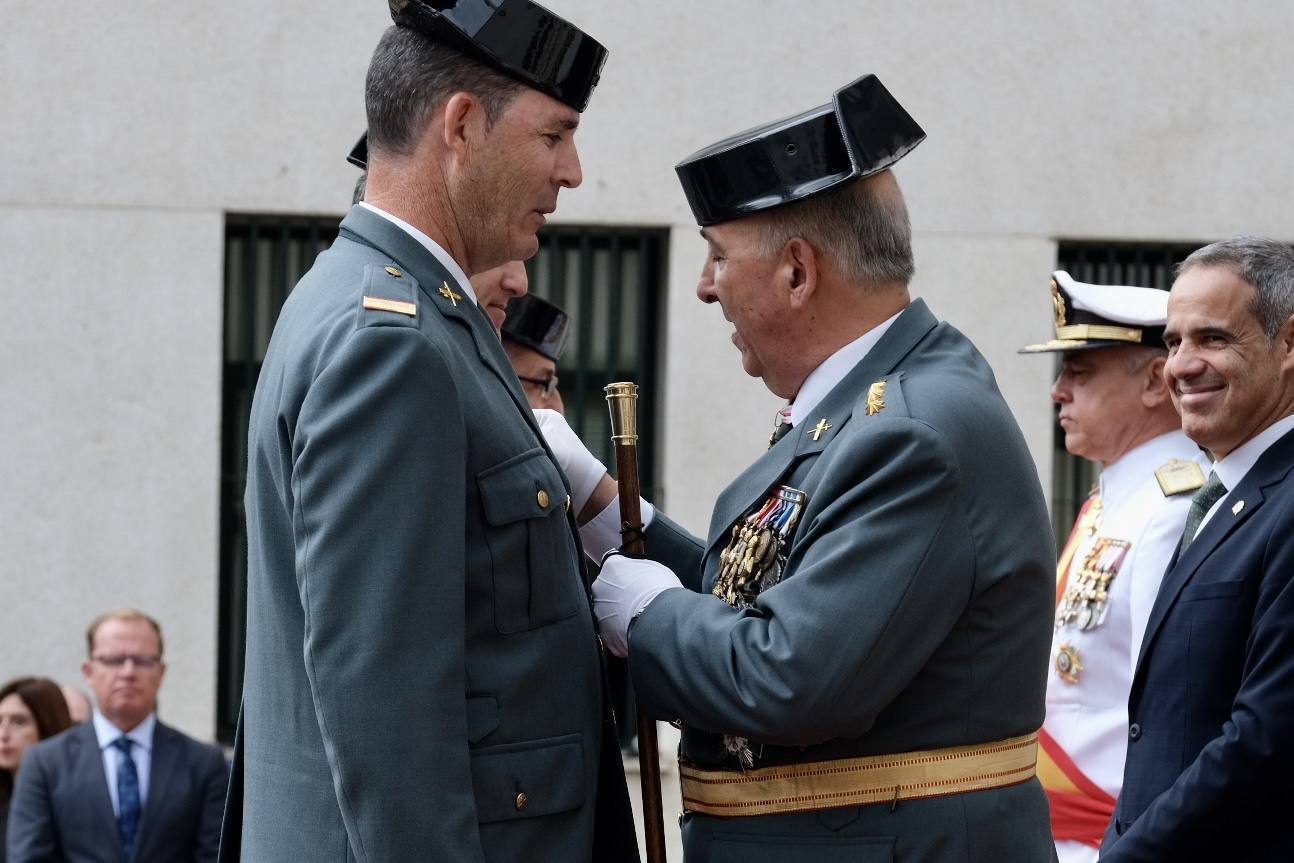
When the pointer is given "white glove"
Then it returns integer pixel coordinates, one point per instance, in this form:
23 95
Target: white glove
581 467
623 589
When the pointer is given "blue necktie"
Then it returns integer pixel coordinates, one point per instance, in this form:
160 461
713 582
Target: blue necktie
127 797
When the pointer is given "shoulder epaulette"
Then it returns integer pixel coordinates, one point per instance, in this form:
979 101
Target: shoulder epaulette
1177 476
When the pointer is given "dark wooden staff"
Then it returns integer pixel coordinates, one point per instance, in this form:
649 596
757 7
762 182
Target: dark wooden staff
622 400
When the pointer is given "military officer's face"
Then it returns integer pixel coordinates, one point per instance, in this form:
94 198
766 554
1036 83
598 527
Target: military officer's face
515 173
1104 397
495 287
740 276
1227 380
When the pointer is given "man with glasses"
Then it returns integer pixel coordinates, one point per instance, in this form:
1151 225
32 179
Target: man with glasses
82 795
534 333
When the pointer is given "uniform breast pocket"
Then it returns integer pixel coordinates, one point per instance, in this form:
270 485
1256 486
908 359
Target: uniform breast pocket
536 573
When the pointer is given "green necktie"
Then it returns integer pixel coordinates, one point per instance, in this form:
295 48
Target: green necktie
1210 493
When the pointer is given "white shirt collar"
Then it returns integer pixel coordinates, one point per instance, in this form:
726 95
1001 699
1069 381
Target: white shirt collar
1121 477
832 371
1231 468
464 283
107 733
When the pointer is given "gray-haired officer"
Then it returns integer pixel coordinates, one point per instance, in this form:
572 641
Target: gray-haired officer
534 334
423 680
856 651
1115 408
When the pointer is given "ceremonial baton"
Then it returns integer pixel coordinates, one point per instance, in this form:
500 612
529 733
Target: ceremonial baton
622 400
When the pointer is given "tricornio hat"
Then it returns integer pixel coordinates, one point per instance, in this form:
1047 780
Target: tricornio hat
538 324
1103 316
519 38
862 131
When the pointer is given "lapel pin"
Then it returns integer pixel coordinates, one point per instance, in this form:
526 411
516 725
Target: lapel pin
1235 510
817 430
448 293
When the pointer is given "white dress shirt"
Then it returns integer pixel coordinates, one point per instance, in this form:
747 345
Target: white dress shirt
464 284
141 753
1231 468
832 371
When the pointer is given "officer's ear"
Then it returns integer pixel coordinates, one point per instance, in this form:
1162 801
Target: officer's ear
800 264
1284 345
457 123
1154 386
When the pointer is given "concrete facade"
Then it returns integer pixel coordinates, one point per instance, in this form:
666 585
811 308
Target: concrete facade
131 129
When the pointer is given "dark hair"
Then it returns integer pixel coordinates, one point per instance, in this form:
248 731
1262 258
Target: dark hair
48 707
410 76
1263 263
862 226
129 615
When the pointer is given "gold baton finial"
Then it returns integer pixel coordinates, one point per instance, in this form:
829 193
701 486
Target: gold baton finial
622 400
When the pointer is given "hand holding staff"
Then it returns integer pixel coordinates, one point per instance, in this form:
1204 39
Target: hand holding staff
622 400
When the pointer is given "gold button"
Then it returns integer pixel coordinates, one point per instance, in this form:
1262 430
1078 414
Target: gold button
522 800
542 497
394 272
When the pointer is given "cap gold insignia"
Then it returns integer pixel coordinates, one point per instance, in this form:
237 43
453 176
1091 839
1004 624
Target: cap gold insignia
876 398
1058 303
378 304
393 272
1068 663
448 293
1235 510
1177 476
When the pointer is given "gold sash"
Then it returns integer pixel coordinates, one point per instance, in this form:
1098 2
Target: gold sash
858 781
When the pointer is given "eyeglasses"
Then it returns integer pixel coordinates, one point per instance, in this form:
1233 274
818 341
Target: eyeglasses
143 663
546 385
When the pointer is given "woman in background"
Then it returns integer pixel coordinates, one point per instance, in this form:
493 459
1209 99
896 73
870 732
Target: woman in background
31 709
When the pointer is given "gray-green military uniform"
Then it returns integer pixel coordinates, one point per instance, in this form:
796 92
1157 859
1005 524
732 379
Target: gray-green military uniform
912 613
423 680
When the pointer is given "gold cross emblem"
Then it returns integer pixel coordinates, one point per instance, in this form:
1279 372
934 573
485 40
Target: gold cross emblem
448 293
817 430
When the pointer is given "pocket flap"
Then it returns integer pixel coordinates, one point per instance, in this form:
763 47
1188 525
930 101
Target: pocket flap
1212 589
525 780
528 485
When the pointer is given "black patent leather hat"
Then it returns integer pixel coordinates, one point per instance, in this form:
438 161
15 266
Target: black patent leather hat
862 131
538 324
519 38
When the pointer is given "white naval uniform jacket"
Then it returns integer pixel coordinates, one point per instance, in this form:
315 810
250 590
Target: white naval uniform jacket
1089 719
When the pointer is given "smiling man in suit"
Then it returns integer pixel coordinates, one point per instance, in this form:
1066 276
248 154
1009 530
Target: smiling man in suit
423 679
123 786
1211 711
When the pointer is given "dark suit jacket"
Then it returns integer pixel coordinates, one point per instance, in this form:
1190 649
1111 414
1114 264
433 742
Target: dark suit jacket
914 612
1211 710
423 679
61 811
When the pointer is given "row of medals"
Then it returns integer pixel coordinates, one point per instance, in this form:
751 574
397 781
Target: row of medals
1085 603
755 556
752 562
